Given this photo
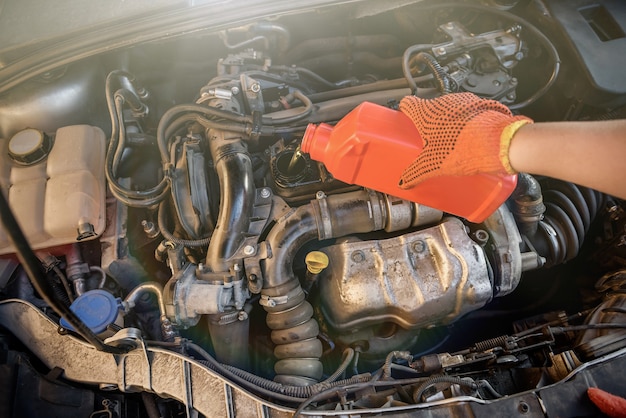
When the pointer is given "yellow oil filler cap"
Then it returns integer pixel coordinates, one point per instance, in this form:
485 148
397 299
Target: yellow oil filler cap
316 261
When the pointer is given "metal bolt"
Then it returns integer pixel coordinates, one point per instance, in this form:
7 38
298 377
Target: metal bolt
440 51
320 195
357 256
481 236
234 90
149 229
255 88
510 96
248 250
513 81
496 83
523 407
449 25
242 315
419 246
519 56
265 193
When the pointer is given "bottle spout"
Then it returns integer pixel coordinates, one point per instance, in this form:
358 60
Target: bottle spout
315 140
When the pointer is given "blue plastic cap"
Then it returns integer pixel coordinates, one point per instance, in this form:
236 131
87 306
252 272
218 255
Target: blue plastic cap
96 308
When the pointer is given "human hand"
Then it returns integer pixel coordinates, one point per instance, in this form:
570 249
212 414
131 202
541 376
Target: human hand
462 134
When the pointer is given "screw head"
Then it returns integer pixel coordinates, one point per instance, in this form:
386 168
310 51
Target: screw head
357 256
248 250
265 193
419 246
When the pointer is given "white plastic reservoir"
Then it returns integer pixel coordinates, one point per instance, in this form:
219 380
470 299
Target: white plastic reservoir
54 195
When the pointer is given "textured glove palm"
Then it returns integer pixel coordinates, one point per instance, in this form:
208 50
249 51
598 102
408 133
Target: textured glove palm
462 134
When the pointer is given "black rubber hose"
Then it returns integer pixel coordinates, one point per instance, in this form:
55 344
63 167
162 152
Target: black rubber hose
150 404
37 276
114 155
406 63
376 86
453 380
238 119
569 212
144 198
237 195
308 73
527 204
294 331
285 239
308 108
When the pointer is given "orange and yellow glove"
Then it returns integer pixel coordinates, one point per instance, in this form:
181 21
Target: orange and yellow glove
462 134
611 405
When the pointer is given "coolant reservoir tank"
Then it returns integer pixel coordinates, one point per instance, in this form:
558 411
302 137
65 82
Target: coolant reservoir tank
372 145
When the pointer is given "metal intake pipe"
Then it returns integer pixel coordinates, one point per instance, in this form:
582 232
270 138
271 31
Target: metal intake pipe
290 316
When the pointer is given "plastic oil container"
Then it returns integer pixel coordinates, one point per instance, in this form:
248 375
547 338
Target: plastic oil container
372 145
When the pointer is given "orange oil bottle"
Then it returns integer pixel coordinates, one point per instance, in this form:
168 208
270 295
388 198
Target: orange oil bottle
372 145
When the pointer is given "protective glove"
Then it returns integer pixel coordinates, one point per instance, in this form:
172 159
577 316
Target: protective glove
613 406
462 135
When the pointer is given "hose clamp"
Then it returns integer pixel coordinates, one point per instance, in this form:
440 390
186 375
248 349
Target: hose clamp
271 302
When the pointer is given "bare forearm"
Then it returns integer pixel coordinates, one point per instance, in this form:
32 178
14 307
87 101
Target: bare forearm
591 154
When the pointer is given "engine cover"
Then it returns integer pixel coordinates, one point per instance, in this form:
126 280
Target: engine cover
426 277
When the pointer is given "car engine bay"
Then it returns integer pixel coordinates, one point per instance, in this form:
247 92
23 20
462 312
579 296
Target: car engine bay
213 267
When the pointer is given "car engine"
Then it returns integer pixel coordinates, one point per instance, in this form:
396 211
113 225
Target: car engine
174 251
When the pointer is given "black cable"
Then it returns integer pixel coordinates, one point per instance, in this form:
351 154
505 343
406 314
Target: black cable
549 47
563 330
194 243
308 109
356 387
37 276
534 329
441 76
269 388
64 282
